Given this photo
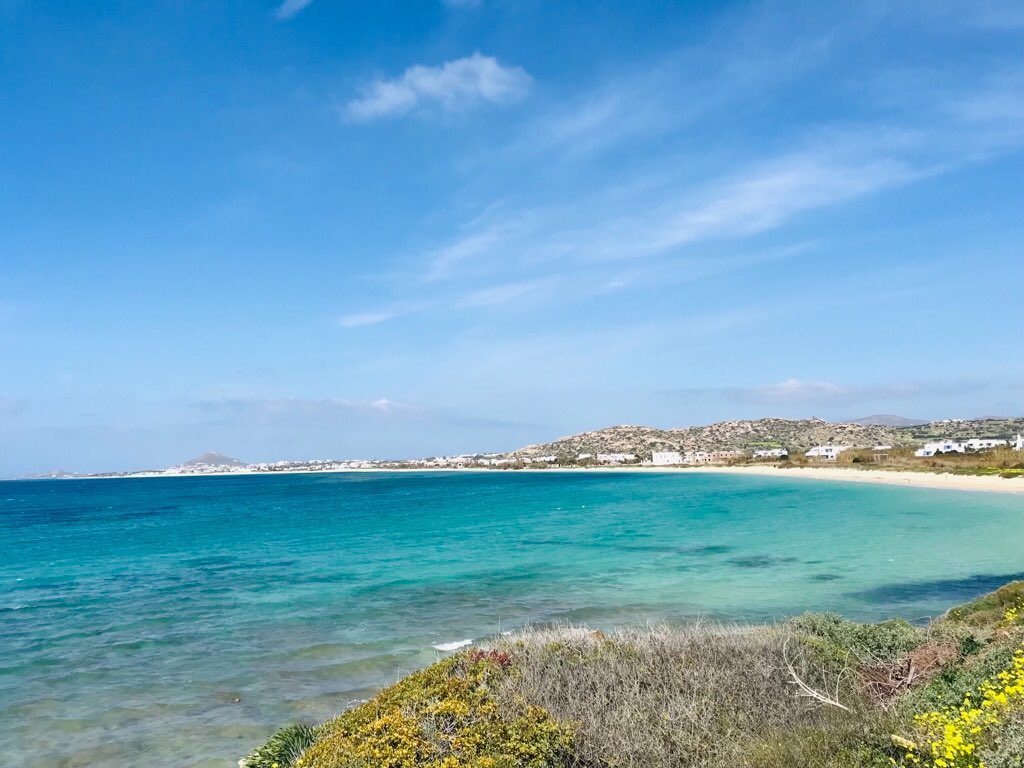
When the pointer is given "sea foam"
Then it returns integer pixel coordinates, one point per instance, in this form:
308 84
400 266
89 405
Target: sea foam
453 646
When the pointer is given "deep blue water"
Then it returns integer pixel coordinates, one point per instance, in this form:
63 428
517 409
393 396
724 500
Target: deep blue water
179 621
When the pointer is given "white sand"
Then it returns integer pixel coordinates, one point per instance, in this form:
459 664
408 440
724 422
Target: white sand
990 483
987 483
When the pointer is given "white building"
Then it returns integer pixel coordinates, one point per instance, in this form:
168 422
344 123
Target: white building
942 446
958 446
770 453
826 452
666 458
983 444
540 460
615 458
1018 444
584 456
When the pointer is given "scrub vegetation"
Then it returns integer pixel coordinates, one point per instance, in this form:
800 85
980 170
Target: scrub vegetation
818 690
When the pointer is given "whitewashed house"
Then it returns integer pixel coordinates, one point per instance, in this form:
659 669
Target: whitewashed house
616 458
983 444
1018 443
942 446
666 458
826 452
495 462
770 453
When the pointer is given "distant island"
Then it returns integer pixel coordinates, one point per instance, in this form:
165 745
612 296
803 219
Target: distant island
988 446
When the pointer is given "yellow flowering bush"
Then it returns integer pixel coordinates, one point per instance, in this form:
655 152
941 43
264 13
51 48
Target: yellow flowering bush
989 609
951 737
442 717
1013 615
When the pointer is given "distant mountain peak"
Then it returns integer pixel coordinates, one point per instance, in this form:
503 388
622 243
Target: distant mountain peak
212 459
888 420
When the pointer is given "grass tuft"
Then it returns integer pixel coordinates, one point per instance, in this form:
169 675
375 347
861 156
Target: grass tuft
283 749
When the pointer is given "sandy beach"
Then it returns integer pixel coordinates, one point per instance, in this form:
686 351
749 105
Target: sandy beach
983 483
987 483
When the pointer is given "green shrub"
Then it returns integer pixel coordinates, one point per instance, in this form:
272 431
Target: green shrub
841 642
1007 747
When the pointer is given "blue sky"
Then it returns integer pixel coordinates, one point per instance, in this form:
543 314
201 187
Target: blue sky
338 229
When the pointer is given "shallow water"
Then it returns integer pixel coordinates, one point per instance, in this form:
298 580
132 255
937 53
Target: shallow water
179 621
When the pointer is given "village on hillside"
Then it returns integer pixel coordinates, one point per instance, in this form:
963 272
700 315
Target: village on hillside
780 441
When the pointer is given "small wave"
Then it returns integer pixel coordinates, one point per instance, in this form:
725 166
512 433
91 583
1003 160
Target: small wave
453 646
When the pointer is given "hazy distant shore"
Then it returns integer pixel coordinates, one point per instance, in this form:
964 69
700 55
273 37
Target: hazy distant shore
984 483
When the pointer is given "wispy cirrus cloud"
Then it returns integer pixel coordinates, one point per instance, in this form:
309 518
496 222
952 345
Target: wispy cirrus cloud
672 213
490 295
476 244
771 195
449 86
289 8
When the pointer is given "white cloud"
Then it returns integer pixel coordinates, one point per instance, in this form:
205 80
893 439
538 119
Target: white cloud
289 8
449 86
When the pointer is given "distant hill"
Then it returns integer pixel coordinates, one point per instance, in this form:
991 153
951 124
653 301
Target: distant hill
1003 427
214 460
794 434
888 420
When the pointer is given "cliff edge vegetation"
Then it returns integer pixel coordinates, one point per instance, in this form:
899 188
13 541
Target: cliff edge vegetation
818 690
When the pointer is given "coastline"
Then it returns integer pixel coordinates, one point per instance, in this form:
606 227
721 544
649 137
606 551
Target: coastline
907 479
945 481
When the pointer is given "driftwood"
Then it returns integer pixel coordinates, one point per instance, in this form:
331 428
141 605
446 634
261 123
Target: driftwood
807 691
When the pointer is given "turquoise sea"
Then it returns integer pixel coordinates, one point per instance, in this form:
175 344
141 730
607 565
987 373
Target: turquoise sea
179 621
